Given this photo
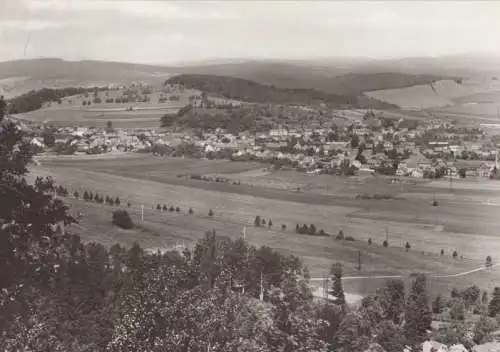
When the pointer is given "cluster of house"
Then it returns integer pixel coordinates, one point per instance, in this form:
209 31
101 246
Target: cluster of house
366 145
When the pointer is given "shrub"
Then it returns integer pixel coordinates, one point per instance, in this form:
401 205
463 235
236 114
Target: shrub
442 251
350 238
370 241
455 254
158 207
76 195
190 211
117 201
171 208
322 232
407 246
270 223
385 243
122 219
128 204
177 209
210 213
263 222
283 227
165 208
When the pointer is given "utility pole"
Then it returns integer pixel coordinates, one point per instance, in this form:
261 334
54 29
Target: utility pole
451 186
261 296
325 288
359 260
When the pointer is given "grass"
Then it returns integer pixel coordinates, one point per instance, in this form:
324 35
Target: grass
454 225
144 115
473 99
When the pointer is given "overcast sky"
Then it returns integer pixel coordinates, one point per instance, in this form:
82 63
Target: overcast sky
176 31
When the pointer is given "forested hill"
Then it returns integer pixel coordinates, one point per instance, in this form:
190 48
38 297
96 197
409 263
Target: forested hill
250 91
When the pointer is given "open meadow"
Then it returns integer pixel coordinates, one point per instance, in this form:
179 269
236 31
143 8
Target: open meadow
473 101
72 112
466 219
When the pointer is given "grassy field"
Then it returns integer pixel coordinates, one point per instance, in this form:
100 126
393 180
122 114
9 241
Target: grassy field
462 222
71 112
474 99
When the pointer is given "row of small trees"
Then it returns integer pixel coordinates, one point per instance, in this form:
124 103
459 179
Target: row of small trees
98 198
171 209
310 230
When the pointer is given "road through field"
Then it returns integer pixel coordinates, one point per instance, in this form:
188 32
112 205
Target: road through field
401 276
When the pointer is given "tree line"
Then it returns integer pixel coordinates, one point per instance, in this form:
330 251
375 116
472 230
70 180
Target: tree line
34 100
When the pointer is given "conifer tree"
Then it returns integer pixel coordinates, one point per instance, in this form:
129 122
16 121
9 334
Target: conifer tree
85 195
494 306
337 288
76 195
117 201
257 221
418 316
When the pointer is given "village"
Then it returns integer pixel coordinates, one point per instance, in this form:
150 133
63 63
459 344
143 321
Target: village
361 145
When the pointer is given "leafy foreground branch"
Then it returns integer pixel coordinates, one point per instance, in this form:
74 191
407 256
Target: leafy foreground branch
60 294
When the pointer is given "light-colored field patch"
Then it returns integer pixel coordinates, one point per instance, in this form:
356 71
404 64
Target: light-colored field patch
442 94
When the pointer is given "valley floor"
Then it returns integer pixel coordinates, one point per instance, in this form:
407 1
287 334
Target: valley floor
466 219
